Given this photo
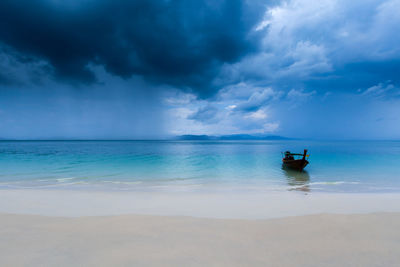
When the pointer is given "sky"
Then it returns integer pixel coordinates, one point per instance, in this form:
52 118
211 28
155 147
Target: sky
149 69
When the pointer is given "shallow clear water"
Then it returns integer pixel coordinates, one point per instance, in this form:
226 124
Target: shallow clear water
337 166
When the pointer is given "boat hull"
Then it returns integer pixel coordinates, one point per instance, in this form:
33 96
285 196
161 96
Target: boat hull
296 164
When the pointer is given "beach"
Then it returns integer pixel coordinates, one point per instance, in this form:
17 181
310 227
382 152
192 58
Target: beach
82 228
136 240
167 203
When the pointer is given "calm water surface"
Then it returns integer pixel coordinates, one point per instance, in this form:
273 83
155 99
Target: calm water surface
345 166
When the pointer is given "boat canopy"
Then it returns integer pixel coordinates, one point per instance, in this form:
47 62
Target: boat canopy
287 153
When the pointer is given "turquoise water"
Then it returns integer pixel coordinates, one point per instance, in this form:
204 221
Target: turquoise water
345 166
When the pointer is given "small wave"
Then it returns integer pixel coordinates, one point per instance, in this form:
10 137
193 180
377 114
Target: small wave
122 182
333 183
27 186
60 180
65 184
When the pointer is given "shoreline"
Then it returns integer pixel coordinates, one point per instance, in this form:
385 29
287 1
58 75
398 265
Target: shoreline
141 240
226 205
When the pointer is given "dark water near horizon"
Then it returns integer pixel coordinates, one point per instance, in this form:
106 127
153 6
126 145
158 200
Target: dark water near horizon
335 166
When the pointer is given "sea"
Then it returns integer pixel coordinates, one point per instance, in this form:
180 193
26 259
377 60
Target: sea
200 166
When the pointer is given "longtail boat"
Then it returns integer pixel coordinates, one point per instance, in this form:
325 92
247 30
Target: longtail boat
292 160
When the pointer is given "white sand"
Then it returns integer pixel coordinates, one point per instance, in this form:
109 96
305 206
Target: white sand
129 240
237 229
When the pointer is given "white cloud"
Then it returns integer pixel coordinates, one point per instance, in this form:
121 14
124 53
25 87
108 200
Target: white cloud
258 115
382 90
271 127
175 97
259 98
239 108
308 59
299 95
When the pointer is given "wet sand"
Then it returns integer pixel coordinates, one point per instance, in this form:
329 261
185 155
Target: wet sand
255 204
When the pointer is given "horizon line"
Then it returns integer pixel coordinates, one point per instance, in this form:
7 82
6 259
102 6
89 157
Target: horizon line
172 139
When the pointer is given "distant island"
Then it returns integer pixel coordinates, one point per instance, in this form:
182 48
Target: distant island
231 137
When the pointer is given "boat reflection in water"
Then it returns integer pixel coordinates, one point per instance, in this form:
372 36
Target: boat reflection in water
297 180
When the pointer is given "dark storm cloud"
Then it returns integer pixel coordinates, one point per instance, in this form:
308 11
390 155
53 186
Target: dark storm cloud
181 43
358 75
